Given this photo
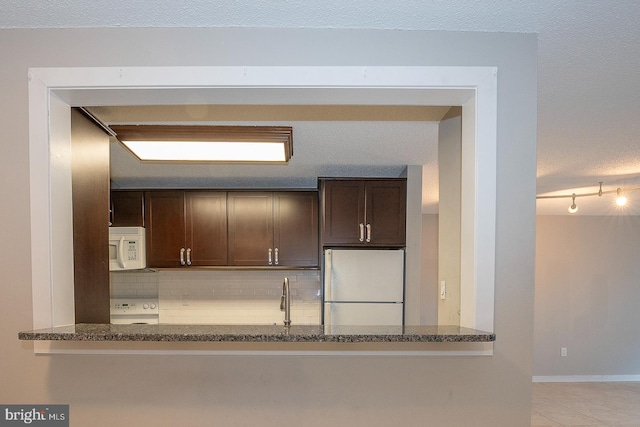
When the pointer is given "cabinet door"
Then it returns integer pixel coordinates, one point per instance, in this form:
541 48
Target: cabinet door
165 225
127 208
295 228
386 206
206 227
250 228
342 212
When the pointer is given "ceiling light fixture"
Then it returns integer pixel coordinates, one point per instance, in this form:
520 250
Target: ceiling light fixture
223 144
621 199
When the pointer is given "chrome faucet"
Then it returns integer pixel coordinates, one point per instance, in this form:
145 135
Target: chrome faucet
285 302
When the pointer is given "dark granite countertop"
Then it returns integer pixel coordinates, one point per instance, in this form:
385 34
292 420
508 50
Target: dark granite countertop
258 333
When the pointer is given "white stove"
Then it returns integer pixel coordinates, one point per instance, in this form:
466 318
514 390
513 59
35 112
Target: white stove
127 311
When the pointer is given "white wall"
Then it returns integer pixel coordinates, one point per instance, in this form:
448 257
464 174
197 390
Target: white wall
587 296
429 285
283 390
413 251
449 231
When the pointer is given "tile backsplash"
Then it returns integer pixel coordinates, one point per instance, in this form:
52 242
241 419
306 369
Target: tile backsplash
131 284
224 296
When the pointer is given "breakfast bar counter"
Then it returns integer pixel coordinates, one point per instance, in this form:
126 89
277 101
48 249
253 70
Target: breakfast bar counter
259 333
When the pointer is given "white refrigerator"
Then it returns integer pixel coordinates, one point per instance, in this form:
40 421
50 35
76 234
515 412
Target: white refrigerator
363 287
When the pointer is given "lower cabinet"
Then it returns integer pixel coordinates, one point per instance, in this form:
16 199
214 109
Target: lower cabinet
273 228
186 228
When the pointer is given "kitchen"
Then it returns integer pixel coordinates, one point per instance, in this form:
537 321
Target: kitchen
208 296
241 291
484 316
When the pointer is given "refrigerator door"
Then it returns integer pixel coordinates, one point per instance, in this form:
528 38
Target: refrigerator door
364 275
363 314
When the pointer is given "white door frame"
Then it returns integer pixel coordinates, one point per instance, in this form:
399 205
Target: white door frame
52 91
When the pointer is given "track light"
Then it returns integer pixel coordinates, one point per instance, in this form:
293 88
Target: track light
620 200
573 208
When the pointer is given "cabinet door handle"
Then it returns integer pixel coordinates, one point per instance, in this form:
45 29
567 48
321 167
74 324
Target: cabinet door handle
270 253
361 232
181 256
188 256
276 257
368 233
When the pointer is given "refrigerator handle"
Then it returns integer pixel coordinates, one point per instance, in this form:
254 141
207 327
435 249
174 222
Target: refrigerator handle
327 275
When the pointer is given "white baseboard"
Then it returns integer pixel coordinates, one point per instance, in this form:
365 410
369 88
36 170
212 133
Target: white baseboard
584 378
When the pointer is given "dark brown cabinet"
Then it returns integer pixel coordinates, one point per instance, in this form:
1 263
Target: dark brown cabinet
273 228
295 228
127 208
186 228
206 227
363 212
90 191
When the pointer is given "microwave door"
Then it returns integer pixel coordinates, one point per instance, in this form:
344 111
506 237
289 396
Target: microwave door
126 248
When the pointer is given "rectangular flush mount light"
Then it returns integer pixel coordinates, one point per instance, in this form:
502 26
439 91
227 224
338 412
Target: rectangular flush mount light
225 144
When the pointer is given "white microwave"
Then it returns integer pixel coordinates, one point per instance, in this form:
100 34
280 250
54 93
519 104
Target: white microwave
127 248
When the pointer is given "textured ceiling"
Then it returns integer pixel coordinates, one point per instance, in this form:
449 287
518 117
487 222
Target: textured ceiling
462 15
588 101
588 62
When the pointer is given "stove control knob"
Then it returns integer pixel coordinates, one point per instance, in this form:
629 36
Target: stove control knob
145 306
153 305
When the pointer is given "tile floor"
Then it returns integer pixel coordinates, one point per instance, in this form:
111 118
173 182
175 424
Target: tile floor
586 404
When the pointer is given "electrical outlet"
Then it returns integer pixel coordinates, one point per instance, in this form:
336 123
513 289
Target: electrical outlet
443 290
185 299
563 352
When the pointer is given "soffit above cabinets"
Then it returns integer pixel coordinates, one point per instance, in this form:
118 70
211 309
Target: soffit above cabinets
147 114
329 140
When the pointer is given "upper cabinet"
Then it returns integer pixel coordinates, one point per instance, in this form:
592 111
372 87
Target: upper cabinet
250 228
273 228
364 212
295 228
242 228
126 208
186 228
206 227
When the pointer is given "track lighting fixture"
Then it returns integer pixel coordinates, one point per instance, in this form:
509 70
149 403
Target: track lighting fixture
573 208
621 199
